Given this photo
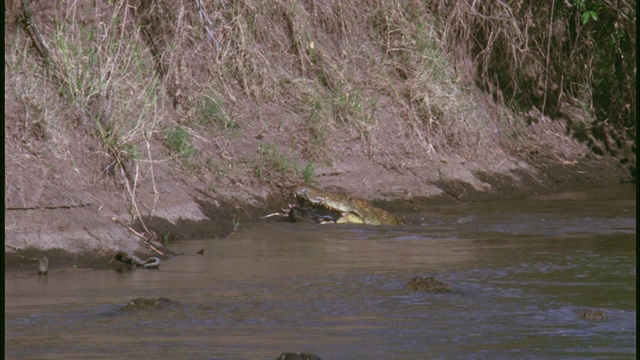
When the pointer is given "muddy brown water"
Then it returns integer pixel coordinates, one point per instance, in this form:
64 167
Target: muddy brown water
520 270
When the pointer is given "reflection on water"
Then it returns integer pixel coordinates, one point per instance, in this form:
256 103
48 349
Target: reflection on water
521 271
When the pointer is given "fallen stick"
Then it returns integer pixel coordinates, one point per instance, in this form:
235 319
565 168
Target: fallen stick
146 240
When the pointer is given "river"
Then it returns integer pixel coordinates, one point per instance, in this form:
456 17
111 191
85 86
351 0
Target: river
521 271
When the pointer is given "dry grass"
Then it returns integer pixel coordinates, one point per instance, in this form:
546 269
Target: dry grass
97 70
44 121
205 59
181 70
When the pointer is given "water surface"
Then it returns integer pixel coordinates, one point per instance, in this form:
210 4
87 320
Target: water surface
521 271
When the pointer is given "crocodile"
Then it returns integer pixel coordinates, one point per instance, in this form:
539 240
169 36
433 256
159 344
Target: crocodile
343 209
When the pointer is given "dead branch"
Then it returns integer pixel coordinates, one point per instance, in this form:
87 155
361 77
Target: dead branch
145 239
207 23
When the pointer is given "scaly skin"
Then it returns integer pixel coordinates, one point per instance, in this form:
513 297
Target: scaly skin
353 210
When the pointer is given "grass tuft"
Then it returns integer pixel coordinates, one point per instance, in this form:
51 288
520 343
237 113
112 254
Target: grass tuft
211 113
177 139
275 167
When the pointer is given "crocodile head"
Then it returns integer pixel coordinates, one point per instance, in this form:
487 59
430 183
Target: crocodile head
350 209
319 205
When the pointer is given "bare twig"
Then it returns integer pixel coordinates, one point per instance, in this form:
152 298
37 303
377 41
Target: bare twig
207 23
146 239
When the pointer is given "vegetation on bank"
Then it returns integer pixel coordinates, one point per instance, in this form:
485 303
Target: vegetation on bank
182 74
571 60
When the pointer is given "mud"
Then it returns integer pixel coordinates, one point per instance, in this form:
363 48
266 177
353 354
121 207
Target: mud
63 245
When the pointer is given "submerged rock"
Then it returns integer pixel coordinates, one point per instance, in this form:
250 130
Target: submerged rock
591 314
428 284
294 356
139 304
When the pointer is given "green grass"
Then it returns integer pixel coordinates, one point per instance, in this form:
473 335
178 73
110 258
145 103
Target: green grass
274 166
318 125
211 113
178 140
355 111
307 173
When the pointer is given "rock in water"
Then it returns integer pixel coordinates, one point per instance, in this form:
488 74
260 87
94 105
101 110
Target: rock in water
591 314
294 356
428 284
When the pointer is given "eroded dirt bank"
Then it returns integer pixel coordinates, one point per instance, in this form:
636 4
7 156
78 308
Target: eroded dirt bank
77 227
122 119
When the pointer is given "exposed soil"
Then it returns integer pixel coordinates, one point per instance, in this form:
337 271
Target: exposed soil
65 198
54 209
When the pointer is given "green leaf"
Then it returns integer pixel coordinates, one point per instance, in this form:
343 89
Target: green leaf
588 15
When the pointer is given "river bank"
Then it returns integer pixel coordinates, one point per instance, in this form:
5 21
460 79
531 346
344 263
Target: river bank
129 128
